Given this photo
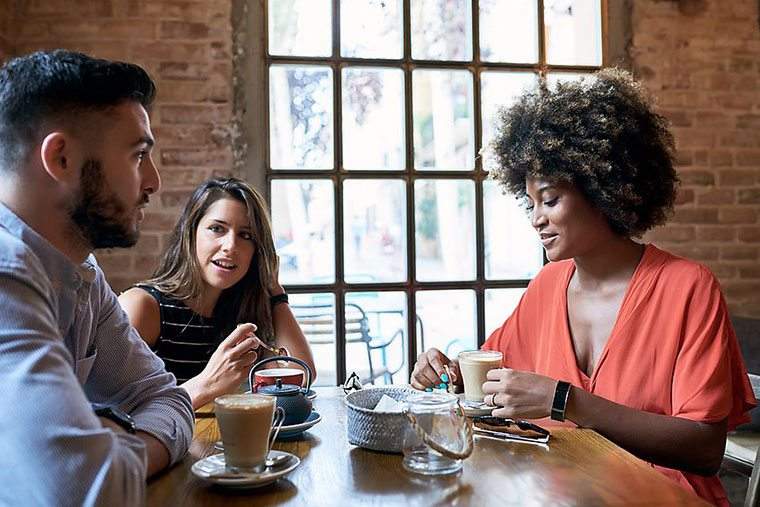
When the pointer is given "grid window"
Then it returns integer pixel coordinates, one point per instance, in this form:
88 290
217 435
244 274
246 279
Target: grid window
392 237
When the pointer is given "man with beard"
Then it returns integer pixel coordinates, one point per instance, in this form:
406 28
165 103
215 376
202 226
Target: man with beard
88 410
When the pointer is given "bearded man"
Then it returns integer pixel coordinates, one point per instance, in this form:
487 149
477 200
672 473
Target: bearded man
88 410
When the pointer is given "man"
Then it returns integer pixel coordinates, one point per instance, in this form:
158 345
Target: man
88 410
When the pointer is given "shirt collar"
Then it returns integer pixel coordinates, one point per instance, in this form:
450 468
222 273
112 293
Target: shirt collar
61 271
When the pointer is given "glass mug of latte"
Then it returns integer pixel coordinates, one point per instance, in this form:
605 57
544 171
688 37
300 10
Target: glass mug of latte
249 424
474 366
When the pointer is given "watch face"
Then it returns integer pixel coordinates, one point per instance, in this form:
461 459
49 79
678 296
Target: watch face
118 416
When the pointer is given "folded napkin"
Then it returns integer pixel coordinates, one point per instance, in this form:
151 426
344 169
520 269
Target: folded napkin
388 404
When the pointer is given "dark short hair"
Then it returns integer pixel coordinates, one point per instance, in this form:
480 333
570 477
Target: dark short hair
599 134
60 84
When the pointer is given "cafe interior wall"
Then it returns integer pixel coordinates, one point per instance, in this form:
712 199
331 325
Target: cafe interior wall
699 58
187 48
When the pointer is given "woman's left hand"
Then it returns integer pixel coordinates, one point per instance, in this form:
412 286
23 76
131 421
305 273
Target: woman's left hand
519 394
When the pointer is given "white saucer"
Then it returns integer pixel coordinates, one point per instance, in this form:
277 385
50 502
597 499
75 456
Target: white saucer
294 430
212 469
474 408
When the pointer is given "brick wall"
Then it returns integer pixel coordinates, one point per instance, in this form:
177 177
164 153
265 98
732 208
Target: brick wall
6 47
187 48
701 59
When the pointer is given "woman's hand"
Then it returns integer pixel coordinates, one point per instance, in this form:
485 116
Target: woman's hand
429 371
230 363
519 394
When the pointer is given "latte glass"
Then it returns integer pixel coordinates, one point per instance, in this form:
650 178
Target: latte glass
246 422
474 366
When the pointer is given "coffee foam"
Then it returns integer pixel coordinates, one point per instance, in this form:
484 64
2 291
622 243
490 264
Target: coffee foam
244 401
480 357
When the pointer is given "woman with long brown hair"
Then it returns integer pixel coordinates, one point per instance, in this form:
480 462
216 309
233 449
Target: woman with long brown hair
215 296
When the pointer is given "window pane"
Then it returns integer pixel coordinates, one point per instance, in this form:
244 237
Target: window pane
371 29
300 27
373 118
447 319
500 303
374 240
553 78
509 31
444 214
573 32
499 90
444 131
512 247
315 314
441 29
303 223
376 337
300 117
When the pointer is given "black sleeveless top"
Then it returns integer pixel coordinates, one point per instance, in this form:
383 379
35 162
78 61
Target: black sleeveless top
187 339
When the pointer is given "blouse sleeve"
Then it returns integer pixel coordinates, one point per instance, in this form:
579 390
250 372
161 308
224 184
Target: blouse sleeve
513 337
710 380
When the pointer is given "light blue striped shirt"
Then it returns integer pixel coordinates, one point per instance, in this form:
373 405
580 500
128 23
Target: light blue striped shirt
66 343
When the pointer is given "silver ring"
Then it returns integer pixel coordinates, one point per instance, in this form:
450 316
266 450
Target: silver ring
493 399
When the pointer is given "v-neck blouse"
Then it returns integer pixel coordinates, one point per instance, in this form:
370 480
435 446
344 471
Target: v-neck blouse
671 351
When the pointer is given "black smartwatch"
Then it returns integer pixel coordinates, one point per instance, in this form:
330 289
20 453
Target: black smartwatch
559 405
116 415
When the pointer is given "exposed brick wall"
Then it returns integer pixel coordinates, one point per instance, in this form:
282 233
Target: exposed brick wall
701 60
6 46
187 48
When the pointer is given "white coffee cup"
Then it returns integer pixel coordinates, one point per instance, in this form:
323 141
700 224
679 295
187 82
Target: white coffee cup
474 366
247 422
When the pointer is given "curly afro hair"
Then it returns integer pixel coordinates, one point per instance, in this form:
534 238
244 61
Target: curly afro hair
599 134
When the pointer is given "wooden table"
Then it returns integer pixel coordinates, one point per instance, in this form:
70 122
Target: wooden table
578 467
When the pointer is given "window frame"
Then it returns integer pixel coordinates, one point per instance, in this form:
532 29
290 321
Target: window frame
252 61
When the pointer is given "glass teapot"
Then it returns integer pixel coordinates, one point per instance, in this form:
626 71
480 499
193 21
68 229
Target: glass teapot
439 435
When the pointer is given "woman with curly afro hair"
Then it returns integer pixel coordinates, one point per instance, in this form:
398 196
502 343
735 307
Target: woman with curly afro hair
613 334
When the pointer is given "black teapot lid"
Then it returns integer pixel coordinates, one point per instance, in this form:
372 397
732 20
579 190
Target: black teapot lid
280 389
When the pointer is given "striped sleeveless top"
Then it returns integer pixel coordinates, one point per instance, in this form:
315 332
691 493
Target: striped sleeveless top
187 339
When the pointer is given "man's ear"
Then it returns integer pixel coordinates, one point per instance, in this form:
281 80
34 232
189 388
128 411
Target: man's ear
56 154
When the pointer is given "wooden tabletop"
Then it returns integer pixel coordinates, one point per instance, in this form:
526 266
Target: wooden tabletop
578 467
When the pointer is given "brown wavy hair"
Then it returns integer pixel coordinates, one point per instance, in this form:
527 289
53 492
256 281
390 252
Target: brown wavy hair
599 134
179 274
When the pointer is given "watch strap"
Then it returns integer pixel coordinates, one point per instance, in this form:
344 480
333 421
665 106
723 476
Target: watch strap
561 394
279 298
116 415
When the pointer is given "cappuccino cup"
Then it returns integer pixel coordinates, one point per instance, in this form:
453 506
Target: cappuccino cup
247 422
474 366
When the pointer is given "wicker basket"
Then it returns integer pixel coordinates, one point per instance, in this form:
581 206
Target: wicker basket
379 431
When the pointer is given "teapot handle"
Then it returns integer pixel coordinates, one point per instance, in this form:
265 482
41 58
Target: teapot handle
289 359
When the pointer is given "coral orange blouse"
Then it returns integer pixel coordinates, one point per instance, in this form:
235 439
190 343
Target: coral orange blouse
671 351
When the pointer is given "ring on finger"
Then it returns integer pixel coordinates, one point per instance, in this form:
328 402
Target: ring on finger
493 399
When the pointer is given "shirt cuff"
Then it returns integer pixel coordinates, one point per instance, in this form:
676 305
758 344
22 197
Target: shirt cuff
171 420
